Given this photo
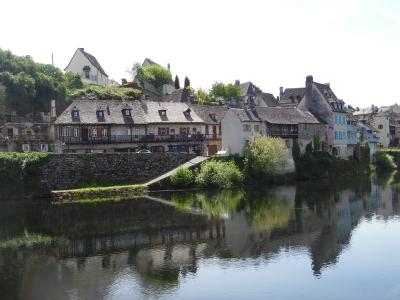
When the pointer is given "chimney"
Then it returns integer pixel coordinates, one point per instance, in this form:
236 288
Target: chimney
124 81
309 83
281 92
169 66
53 113
237 82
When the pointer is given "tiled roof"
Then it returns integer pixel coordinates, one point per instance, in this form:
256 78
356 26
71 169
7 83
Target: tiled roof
142 112
112 112
269 99
93 61
174 112
149 62
281 115
210 114
293 92
181 95
245 115
244 87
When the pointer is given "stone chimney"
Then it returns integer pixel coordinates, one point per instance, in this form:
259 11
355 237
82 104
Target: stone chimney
308 95
169 67
281 92
237 82
53 112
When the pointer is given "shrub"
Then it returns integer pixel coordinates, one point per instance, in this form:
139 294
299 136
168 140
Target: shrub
385 162
263 155
182 177
296 151
219 174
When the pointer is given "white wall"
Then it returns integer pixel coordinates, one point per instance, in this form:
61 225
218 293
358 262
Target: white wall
233 136
76 65
384 136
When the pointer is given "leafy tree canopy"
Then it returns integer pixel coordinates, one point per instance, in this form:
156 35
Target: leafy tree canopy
155 74
225 91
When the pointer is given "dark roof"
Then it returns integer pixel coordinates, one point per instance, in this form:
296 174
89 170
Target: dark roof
142 112
112 112
180 95
327 92
293 92
246 88
93 61
150 62
269 99
210 114
245 115
281 115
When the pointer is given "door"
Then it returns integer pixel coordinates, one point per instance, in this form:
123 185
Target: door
214 129
85 134
212 149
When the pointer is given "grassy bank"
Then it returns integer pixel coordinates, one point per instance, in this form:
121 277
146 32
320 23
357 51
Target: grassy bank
97 194
25 241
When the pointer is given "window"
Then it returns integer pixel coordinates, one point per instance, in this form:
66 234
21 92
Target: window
162 112
86 72
44 147
104 132
246 128
172 132
257 128
126 112
184 131
100 114
94 132
380 126
162 131
26 147
28 132
75 113
187 113
76 132
194 130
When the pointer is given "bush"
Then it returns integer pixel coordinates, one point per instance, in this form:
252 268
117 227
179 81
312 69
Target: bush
263 155
385 162
182 177
219 174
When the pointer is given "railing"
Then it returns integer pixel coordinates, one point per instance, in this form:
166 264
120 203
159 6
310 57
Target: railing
37 137
284 134
116 139
213 136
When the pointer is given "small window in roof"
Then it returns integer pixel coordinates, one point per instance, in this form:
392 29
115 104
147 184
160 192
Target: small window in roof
212 117
126 112
187 112
162 112
75 113
100 114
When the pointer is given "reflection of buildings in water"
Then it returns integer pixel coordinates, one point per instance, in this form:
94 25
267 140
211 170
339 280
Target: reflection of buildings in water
154 257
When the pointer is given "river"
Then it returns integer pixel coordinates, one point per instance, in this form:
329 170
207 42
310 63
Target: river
336 239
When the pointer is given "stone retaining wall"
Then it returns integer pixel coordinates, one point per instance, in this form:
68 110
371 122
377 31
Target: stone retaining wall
68 171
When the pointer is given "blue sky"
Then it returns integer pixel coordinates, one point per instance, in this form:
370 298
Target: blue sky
354 45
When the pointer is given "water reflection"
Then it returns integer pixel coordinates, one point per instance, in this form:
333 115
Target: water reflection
146 248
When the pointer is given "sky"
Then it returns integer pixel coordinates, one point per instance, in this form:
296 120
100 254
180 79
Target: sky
352 44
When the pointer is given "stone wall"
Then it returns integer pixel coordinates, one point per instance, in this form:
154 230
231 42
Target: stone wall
67 171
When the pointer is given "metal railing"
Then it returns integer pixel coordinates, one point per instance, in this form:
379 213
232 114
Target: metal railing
116 139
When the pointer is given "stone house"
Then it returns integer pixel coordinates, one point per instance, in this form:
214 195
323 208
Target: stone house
88 67
291 97
292 124
32 132
124 126
368 134
212 117
322 102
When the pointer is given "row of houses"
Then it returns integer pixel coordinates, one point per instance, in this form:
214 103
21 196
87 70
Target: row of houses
167 119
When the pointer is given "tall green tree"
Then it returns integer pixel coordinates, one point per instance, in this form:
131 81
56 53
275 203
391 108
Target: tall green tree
155 74
177 83
221 91
187 82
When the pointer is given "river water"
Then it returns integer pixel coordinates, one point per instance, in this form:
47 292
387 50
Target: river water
336 239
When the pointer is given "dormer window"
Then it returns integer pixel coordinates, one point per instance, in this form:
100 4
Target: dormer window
75 113
162 112
126 112
86 72
100 114
212 117
187 112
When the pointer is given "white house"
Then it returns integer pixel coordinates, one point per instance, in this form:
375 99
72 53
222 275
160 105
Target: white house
238 126
87 66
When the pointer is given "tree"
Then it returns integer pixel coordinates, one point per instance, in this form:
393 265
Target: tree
187 82
2 98
201 96
264 155
155 74
225 92
177 83
73 80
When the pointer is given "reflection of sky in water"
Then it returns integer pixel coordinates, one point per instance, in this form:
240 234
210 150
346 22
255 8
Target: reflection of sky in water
304 242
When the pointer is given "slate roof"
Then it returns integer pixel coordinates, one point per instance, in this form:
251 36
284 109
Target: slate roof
142 112
244 87
180 95
93 61
210 114
269 99
175 112
245 115
112 112
293 92
150 62
364 111
281 115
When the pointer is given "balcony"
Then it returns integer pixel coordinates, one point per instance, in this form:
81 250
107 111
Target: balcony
213 136
373 139
118 139
22 138
284 134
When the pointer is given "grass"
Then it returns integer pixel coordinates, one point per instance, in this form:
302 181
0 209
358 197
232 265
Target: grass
98 200
24 241
100 194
